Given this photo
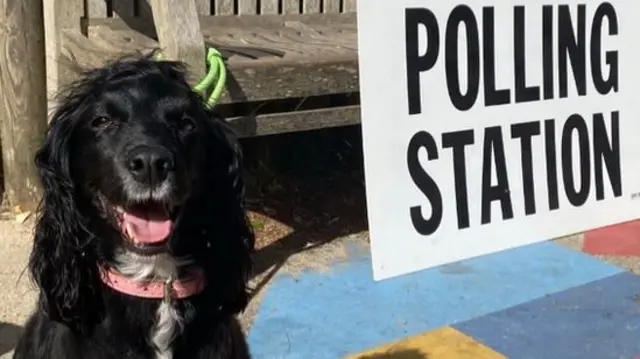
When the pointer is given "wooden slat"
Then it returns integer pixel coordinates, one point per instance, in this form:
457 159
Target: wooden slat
223 7
23 112
204 7
178 29
112 40
59 16
349 5
290 6
272 124
268 7
97 9
123 9
331 6
279 78
340 21
247 7
88 53
317 73
270 21
294 40
311 6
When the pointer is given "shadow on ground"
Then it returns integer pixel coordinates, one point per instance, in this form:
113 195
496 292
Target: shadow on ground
311 184
397 354
9 335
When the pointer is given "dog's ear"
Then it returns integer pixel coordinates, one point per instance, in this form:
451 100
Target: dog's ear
58 264
231 236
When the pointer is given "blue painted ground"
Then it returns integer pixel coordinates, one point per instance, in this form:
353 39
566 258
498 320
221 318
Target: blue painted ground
597 320
498 299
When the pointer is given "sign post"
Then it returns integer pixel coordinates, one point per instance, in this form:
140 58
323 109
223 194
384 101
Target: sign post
489 125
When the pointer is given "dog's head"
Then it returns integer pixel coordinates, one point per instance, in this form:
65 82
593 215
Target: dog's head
134 162
140 149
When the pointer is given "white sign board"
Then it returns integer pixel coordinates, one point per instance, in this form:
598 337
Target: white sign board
489 125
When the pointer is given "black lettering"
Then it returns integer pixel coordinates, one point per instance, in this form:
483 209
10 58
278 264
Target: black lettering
492 96
417 63
602 85
547 51
493 144
576 196
425 183
575 49
608 153
522 92
525 132
462 14
551 162
457 141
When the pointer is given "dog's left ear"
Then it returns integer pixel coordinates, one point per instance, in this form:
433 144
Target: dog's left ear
58 263
231 236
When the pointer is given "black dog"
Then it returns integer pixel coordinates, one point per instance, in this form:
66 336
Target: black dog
142 245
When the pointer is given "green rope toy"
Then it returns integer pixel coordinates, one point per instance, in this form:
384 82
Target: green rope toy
216 76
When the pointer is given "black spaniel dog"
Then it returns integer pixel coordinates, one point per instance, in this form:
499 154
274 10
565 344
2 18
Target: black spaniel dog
142 246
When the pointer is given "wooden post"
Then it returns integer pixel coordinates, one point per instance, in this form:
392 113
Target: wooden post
247 7
290 7
332 6
179 34
349 6
223 7
23 102
60 16
311 7
268 7
203 7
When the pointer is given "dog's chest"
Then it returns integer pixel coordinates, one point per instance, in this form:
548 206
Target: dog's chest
168 321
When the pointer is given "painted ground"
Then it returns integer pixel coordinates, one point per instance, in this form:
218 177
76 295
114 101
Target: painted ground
542 301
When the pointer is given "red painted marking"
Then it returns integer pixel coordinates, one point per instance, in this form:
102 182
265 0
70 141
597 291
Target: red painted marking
619 239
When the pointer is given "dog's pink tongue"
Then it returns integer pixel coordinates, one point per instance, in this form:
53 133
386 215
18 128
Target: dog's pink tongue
147 227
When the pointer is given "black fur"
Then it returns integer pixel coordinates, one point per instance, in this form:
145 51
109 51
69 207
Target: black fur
77 316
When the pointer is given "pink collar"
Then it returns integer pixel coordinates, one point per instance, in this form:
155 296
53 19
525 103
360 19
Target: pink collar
191 284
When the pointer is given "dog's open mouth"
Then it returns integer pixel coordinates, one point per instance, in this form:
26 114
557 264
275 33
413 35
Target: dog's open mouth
147 226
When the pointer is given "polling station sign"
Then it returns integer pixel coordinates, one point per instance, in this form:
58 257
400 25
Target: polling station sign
489 125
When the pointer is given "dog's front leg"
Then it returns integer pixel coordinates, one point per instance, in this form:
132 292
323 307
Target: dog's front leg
46 339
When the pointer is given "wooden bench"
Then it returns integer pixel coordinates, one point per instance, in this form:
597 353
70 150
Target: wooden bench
292 63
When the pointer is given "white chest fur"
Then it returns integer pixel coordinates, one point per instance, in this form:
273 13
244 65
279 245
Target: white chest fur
168 322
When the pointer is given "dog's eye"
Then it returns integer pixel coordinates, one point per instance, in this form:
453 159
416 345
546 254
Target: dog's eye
100 122
186 124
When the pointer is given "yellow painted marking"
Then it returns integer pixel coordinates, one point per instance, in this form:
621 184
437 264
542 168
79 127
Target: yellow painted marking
443 343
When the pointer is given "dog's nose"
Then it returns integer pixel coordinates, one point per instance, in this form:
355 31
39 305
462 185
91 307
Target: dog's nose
150 165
